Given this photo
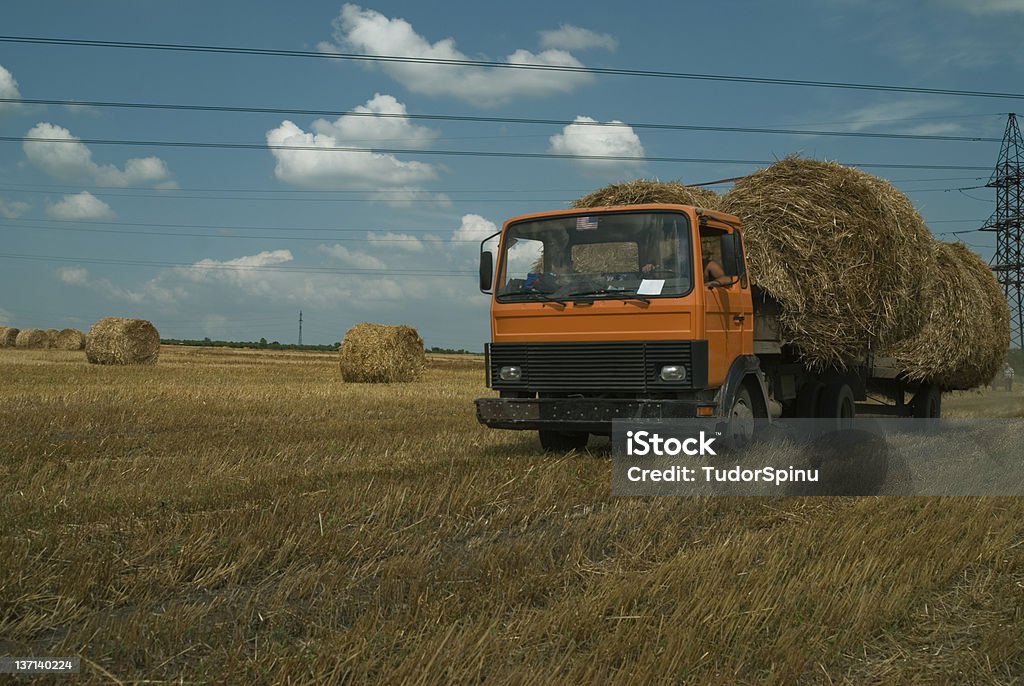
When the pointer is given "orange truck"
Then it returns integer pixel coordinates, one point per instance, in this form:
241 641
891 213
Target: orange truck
647 312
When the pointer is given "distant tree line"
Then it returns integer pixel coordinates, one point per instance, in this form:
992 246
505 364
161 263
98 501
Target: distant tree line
263 344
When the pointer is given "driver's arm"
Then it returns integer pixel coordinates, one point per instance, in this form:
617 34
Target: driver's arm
714 275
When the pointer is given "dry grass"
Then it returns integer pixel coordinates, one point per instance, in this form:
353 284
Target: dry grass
116 340
843 251
245 516
375 353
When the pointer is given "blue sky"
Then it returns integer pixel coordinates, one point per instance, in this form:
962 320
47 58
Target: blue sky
148 231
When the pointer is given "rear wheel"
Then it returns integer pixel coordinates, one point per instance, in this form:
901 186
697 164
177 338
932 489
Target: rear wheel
927 402
553 441
808 399
837 402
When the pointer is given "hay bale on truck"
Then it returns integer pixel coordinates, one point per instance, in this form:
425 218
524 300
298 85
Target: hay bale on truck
8 336
643 191
117 340
376 353
69 339
843 252
35 339
967 331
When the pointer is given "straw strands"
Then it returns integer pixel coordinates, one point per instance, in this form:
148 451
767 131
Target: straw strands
375 353
116 340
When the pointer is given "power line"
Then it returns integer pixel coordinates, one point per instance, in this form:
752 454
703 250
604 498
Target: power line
236 227
230 267
498 120
176 234
455 153
578 69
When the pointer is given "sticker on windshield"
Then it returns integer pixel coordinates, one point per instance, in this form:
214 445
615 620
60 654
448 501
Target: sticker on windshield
650 287
586 223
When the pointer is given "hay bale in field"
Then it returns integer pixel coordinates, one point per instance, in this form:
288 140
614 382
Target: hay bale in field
375 353
966 335
644 191
32 338
116 340
842 251
69 339
8 336
51 337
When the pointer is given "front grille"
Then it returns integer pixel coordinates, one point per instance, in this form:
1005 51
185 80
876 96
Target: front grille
624 366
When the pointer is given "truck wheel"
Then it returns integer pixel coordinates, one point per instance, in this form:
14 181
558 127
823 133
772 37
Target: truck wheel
740 425
553 441
837 402
808 400
927 402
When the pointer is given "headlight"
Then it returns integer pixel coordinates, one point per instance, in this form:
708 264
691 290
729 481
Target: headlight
511 373
673 372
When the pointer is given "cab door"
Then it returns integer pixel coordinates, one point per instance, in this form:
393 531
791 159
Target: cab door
728 310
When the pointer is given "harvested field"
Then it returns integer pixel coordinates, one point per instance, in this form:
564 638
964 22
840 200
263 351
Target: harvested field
246 516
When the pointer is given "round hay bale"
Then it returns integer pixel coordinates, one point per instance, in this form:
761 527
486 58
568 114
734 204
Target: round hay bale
51 337
32 338
8 336
842 251
375 353
116 340
644 191
69 339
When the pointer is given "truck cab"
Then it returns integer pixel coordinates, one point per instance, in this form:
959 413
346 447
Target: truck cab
614 313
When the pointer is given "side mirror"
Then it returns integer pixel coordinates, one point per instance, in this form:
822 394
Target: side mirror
486 271
487 262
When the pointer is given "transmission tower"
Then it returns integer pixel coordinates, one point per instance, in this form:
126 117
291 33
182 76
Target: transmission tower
300 327
1008 180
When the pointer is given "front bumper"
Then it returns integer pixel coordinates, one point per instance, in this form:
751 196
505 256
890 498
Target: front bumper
577 414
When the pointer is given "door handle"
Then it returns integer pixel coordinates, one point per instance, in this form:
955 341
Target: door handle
739 317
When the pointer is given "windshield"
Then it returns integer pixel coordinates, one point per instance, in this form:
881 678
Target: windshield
628 254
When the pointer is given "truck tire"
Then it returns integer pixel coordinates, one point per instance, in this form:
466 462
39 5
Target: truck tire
808 399
927 402
553 441
739 427
837 402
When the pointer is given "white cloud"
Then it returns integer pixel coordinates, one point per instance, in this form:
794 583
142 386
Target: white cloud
474 228
569 37
74 276
986 6
359 170
73 161
368 128
12 209
8 89
80 207
583 137
367 31
396 241
352 258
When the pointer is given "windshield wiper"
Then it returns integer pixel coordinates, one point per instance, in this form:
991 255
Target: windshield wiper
535 295
623 294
